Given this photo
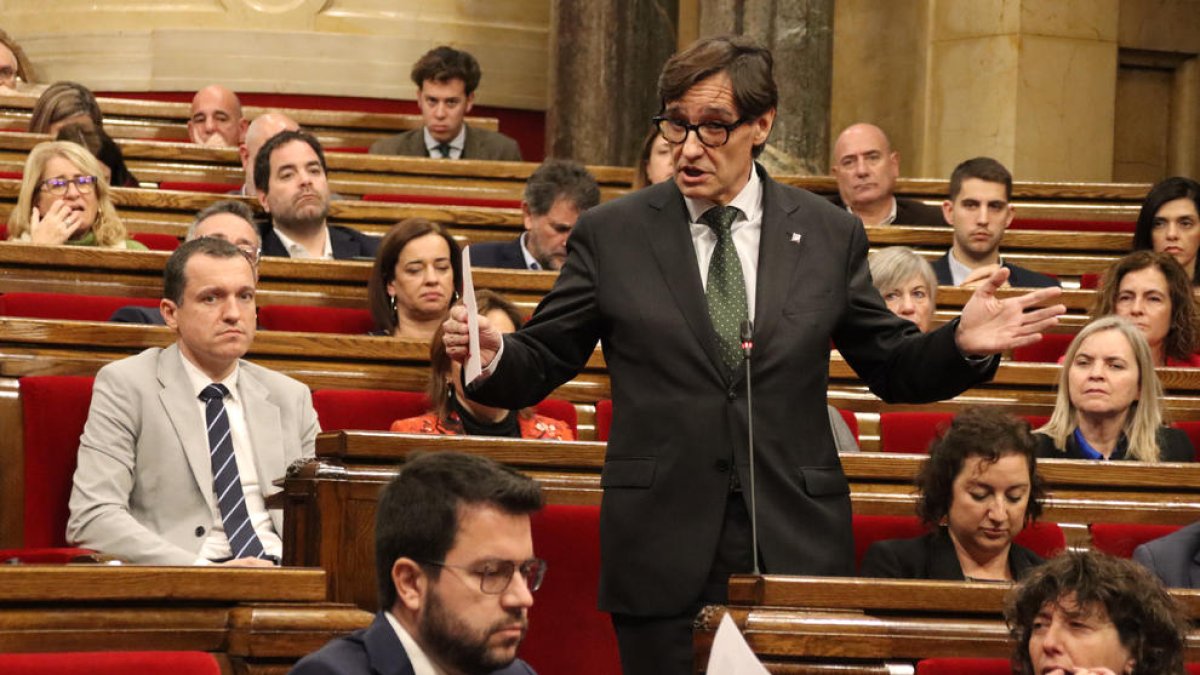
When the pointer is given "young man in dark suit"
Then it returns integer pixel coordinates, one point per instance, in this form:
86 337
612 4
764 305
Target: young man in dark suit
662 278
980 212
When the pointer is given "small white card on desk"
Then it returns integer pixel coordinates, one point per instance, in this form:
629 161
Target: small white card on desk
474 366
730 654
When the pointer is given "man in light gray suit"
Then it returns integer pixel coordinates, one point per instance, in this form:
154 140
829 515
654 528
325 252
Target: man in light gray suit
182 444
1175 558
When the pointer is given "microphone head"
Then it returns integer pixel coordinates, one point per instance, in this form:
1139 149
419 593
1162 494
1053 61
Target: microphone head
746 334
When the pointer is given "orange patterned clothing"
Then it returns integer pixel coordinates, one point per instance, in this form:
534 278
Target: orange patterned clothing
536 427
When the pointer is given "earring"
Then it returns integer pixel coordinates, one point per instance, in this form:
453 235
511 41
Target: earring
392 301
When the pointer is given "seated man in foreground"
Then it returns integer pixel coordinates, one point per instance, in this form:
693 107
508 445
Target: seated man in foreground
182 444
454 558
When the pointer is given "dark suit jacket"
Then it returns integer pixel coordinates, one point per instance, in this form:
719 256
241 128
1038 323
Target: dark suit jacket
374 650
138 314
1175 558
931 556
1173 443
631 281
908 211
347 243
479 144
500 254
1018 277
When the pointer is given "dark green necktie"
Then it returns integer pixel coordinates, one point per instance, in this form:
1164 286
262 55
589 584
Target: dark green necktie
726 291
444 150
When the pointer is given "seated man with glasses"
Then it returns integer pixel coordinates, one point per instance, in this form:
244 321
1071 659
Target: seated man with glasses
454 558
230 220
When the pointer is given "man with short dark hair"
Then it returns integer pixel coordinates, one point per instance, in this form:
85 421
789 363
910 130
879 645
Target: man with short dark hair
182 445
980 211
665 278
446 79
456 568
555 194
216 119
289 173
866 168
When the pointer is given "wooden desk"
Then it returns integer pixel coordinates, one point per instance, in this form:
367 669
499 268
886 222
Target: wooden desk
253 620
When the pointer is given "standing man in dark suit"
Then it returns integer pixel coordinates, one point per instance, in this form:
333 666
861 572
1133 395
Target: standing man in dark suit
662 278
446 79
555 194
1175 558
289 173
980 212
454 559
866 169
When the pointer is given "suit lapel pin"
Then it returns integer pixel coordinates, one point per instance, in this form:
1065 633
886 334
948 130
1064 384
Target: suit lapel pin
796 237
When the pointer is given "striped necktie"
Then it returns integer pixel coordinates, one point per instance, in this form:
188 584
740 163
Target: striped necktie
227 483
726 290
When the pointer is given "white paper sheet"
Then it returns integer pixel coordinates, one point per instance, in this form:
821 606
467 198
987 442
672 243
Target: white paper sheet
474 365
730 654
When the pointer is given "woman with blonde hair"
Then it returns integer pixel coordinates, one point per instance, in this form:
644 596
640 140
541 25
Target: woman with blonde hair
1109 401
64 199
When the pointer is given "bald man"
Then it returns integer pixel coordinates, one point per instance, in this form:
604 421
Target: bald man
260 131
216 120
866 169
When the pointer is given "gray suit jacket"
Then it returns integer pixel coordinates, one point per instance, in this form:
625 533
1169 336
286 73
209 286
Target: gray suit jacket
479 144
143 485
1175 558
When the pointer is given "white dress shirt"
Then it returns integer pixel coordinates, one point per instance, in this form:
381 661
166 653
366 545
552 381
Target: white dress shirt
456 144
421 664
746 229
296 250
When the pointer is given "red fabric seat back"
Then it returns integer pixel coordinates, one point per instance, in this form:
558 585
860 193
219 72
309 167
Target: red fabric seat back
1192 429
911 432
1070 225
851 421
156 242
444 200
1049 349
307 319
366 409
963 666
110 663
870 529
563 411
1044 539
67 306
567 634
1089 281
54 410
1120 539
604 413
198 186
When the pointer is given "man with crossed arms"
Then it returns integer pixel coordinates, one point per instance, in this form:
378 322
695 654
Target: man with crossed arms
182 444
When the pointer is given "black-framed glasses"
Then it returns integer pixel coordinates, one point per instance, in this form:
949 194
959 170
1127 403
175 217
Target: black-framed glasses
711 134
58 186
496 575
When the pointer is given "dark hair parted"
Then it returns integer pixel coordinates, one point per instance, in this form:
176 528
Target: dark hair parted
982 168
442 64
262 161
439 388
384 270
983 432
418 513
1149 623
1167 190
748 64
174 274
1182 337
560 179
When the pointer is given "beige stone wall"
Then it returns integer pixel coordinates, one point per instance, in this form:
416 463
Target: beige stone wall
328 47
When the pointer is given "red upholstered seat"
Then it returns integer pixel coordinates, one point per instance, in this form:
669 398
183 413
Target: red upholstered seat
870 529
963 666
1089 281
1044 539
352 149
375 410
1049 349
110 663
567 634
1060 224
156 242
307 319
851 421
67 306
604 419
1192 429
444 200
1120 539
198 186
911 432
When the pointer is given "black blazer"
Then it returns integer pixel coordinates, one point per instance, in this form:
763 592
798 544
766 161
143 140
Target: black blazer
1175 558
932 556
347 243
138 314
908 211
1173 443
374 650
631 282
499 254
1018 277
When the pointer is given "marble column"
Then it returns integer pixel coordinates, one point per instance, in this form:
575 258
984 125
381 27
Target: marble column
605 57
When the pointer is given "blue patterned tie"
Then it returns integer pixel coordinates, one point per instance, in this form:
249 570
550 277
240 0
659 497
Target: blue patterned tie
726 290
227 484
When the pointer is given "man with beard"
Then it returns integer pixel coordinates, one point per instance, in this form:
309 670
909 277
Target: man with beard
454 559
289 174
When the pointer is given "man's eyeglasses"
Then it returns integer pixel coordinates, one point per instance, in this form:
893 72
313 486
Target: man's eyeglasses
711 134
496 575
252 254
58 186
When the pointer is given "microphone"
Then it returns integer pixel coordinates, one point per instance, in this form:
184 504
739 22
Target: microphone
746 334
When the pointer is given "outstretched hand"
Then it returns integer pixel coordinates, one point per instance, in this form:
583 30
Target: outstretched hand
990 325
455 337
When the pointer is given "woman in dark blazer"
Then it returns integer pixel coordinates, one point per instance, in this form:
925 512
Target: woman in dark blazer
979 488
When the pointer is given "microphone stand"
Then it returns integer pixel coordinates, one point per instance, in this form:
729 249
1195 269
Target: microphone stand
747 338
